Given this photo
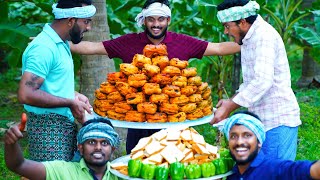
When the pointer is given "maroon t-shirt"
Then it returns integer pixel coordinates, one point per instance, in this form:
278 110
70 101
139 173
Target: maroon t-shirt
179 46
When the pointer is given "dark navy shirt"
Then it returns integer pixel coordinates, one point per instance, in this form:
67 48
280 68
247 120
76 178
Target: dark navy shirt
179 46
262 168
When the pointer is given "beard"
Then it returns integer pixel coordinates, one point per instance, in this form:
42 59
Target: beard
250 158
97 164
75 34
163 33
242 34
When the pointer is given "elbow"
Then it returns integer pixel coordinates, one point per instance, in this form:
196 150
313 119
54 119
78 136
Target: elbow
22 97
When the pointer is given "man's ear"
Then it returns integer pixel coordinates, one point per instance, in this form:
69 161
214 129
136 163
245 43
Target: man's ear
80 147
169 20
71 21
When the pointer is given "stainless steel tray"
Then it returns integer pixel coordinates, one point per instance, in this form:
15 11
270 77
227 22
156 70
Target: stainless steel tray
146 125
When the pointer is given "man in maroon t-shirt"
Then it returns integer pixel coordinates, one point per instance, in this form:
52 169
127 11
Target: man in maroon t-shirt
155 16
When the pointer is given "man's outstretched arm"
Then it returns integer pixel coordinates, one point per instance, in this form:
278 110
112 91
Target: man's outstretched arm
88 48
221 49
14 158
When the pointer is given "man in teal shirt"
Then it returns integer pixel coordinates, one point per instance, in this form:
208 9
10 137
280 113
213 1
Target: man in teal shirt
96 142
47 85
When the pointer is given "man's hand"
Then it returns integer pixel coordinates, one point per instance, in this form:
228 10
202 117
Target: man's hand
78 109
83 98
224 108
12 135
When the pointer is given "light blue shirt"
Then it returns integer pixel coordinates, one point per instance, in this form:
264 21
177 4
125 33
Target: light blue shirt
49 57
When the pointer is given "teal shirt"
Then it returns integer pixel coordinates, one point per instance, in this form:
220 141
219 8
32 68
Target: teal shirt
49 57
60 170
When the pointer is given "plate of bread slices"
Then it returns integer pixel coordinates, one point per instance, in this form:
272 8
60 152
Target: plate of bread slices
166 148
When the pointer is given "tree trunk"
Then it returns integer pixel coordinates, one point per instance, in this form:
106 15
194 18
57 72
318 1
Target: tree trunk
94 68
310 68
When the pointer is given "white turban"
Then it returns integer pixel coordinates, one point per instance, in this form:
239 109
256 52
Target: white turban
76 12
238 12
155 9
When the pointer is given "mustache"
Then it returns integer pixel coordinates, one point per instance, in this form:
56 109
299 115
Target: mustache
241 146
158 27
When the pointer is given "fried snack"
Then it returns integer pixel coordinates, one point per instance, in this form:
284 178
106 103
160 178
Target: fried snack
103 105
180 81
107 88
147 107
189 108
140 60
114 115
150 70
172 91
194 81
151 88
203 104
115 97
161 61
207 110
99 95
202 88
124 88
122 107
116 77
162 79
169 108
207 94
195 98
135 116
181 100
128 69
157 118
151 50
137 80
135 98
159 98
189 72
171 70
195 115
178 63
99 112
189 90
179 117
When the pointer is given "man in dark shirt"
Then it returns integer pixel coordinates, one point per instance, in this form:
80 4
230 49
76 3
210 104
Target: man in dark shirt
246 134
155 16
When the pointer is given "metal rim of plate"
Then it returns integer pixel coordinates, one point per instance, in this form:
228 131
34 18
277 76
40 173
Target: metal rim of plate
125 159
146 125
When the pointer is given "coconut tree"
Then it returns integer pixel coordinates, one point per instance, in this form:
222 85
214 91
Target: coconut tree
94 68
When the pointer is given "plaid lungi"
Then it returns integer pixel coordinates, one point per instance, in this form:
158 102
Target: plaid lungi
51 137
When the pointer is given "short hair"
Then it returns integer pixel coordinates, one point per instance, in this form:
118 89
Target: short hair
64 4
248 113
232 3
149 2
97 120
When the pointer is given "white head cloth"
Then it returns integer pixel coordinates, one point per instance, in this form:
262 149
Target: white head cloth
76 12
155 9
238 12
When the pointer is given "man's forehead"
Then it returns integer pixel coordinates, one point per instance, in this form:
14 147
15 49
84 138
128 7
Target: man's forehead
239 128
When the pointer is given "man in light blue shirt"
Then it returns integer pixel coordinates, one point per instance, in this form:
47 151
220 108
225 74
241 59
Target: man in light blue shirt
47 85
